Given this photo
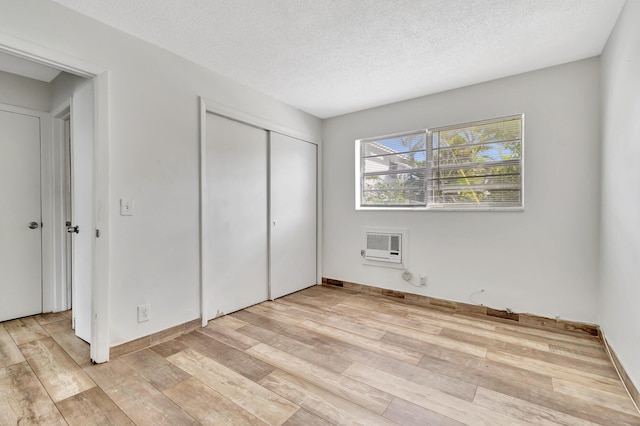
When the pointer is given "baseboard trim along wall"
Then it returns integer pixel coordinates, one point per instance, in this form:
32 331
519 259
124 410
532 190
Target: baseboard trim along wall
626 380
450 306
154 339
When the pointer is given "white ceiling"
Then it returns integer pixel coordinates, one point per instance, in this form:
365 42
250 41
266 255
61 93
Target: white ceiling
330 57
27 68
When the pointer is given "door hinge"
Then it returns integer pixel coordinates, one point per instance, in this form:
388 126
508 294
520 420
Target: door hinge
97 233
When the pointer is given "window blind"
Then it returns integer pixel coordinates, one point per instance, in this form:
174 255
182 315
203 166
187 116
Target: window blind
466 166
393 170
476 165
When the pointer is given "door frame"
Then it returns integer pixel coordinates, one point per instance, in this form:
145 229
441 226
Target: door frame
101 275
226 111
61 294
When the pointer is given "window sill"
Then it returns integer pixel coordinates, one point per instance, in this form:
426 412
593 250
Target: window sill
441 209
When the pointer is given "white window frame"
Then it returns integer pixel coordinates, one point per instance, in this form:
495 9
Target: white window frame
427 205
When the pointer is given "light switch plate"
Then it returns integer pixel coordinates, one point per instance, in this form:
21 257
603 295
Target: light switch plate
126 207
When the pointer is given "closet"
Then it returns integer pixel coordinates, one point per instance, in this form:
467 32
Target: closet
259 215
293 214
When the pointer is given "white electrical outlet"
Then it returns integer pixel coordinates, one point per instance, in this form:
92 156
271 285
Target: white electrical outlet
126 207
144 312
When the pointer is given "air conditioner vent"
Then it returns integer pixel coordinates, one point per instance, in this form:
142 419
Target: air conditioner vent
384 247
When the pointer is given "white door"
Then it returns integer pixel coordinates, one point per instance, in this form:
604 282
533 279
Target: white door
293 215
235 244
20 216
82 213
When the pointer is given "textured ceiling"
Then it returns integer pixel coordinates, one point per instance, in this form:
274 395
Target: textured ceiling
330 57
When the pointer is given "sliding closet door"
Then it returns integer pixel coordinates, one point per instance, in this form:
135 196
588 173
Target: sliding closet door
293 215
236 207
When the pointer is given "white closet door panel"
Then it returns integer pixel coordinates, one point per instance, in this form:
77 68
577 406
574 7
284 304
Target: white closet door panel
235 244
293 215
20 245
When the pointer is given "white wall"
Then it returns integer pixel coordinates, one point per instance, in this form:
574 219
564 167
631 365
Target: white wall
63 86
24 92
35 94
154 157
543 260
620 224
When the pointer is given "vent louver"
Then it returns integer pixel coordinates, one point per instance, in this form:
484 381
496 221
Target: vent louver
383 247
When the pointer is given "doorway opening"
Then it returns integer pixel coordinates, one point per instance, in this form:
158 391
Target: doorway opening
72 141
74 168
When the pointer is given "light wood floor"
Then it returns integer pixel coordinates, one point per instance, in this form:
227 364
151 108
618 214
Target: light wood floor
321 356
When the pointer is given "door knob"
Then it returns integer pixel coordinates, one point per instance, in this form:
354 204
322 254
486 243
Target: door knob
33 225
73 229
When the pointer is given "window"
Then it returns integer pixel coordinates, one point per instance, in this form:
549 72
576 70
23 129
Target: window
393 170
470 166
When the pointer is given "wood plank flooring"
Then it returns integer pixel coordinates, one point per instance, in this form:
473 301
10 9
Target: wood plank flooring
321 356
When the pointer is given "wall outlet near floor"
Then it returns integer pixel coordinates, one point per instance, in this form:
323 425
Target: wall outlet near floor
144 312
